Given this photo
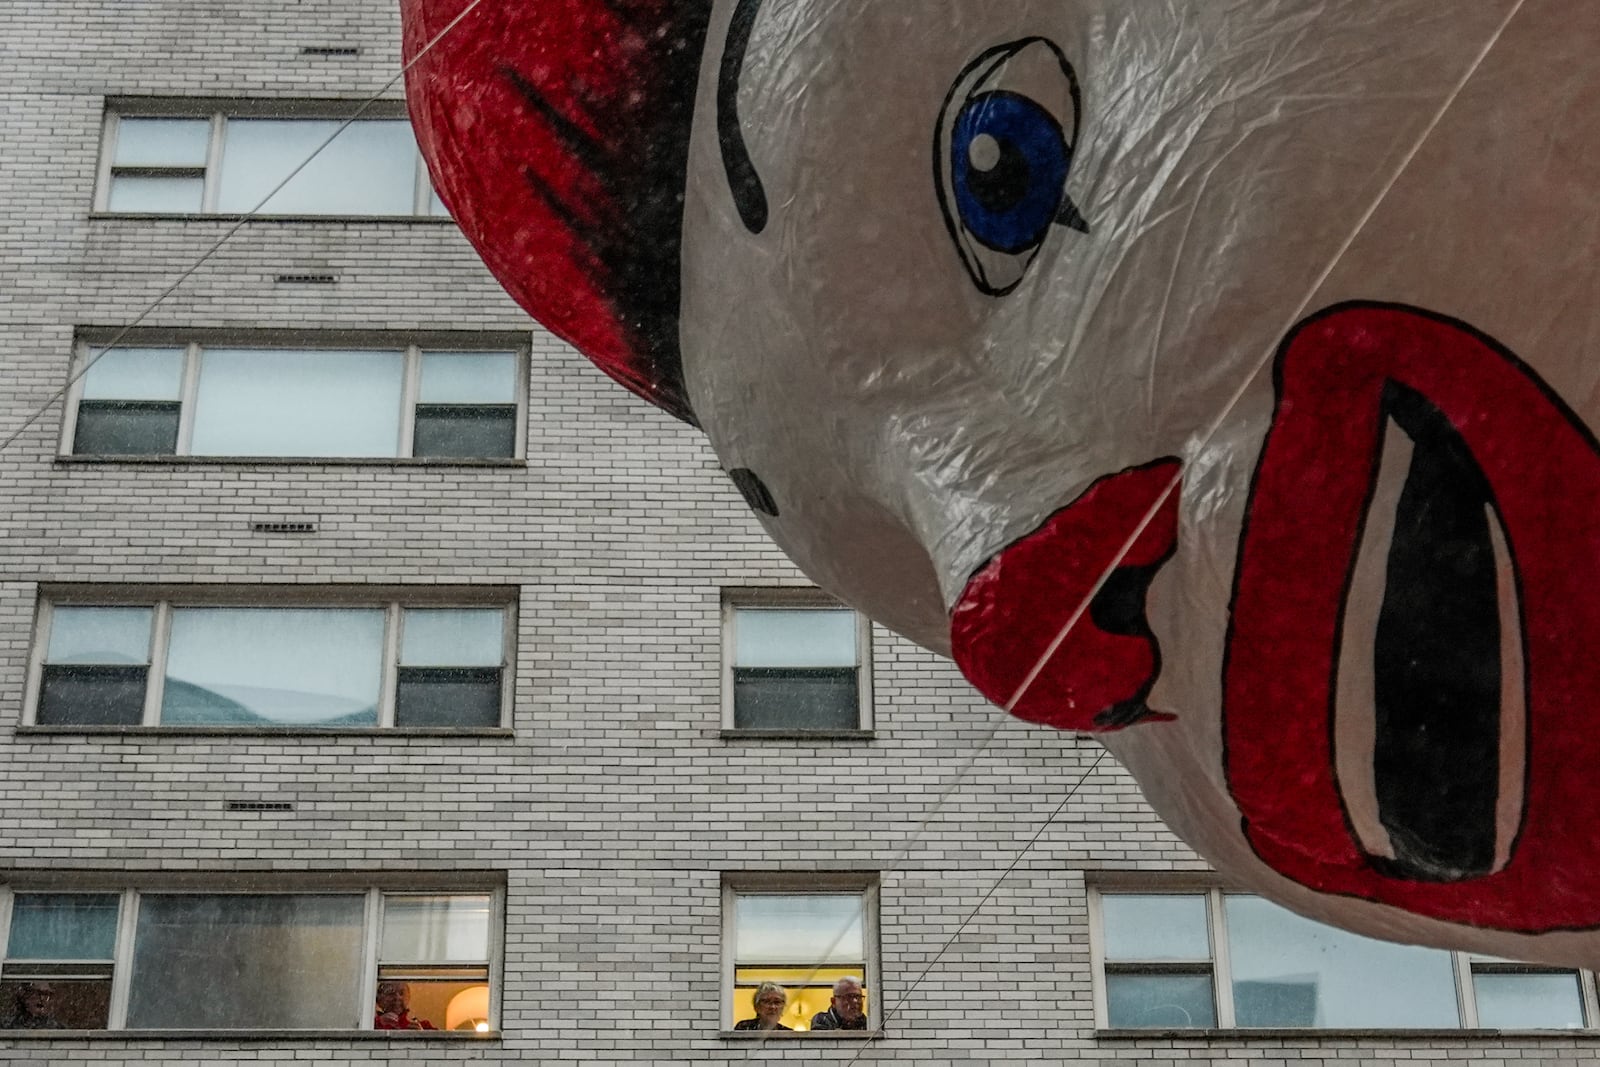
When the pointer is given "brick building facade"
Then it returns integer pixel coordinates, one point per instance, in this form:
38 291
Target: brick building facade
609 820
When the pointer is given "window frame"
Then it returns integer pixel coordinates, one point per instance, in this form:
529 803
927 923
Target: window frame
394 601
1464 965
218 112
373 888
807 883
736 599
412 346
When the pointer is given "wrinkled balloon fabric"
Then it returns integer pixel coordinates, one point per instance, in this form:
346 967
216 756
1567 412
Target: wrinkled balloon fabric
1220 378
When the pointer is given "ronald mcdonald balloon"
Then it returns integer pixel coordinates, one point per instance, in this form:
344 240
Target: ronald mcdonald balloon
1221 378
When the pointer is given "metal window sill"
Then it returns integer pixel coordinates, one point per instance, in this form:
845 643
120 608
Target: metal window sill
377 732
1340 1034
217 216
295 461
276 1037
798 735
802 1035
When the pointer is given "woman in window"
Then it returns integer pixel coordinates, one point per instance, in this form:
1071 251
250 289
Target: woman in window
769 1000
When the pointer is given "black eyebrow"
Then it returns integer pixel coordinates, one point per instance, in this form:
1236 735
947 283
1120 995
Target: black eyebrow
743 181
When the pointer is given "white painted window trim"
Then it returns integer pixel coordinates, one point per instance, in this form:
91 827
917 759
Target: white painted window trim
735 598
392 601
1221 965
372 892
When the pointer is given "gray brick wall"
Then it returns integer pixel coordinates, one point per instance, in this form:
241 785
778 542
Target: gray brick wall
616 807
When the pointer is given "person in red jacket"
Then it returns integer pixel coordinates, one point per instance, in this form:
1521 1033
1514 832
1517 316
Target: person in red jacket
394 1009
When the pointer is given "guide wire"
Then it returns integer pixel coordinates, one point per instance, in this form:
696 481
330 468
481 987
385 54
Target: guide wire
227 234
1204 439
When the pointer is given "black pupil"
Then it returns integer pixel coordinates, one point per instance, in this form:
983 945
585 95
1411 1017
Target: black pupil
1002 186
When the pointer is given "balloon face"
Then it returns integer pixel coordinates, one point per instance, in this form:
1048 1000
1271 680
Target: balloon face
1219 380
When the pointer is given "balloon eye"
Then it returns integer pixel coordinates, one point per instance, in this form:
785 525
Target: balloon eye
1008 164
1003 152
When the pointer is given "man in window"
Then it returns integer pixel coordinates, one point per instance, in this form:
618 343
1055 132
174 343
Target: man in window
394 1009
847 1011
34 1009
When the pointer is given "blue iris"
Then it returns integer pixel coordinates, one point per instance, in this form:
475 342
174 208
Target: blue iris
1009 162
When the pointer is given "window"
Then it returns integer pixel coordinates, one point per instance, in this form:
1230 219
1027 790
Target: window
1205 959
182 158
290 666
804 933
191 399
797 662
184 959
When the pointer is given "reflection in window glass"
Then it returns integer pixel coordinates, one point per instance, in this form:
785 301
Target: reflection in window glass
133 374
450 668
276 402
162 142
96 667
1160 1000
466 405
130 403
795 669
232 961
1155 926
1529 1001
368 169
62 926
274 667
155 194
435 928
1289 971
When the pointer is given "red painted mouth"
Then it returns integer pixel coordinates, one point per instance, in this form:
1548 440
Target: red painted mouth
1411 674
1015 607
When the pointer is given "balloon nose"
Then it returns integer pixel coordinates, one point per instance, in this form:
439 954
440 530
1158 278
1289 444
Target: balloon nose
1026 632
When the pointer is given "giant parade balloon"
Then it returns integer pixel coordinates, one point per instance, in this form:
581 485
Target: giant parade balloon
1220 378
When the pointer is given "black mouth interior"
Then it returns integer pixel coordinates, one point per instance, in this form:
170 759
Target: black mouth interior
1437 659
1119 608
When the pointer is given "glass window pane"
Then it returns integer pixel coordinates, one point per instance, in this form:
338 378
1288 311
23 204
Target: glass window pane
449 697
811 928
41 1000
155 195
274 667
469 378
246 960
1160 1000
1529 1001
99 635
465 432
780 698
91 695
435 929
369 169
126 428
453 637
1289 971
162 142
63 926
794 637
271 402
134 374
1155 926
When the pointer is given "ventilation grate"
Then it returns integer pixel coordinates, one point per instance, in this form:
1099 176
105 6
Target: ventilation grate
284 527
330 50
258 805
306 279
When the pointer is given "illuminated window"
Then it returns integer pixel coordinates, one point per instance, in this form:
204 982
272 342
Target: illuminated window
288 959
192 399
1203 959
803 933
357 664
187 158
796 662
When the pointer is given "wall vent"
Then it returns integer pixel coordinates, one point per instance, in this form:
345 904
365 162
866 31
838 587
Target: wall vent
306 279
330 50
283 527
258 805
